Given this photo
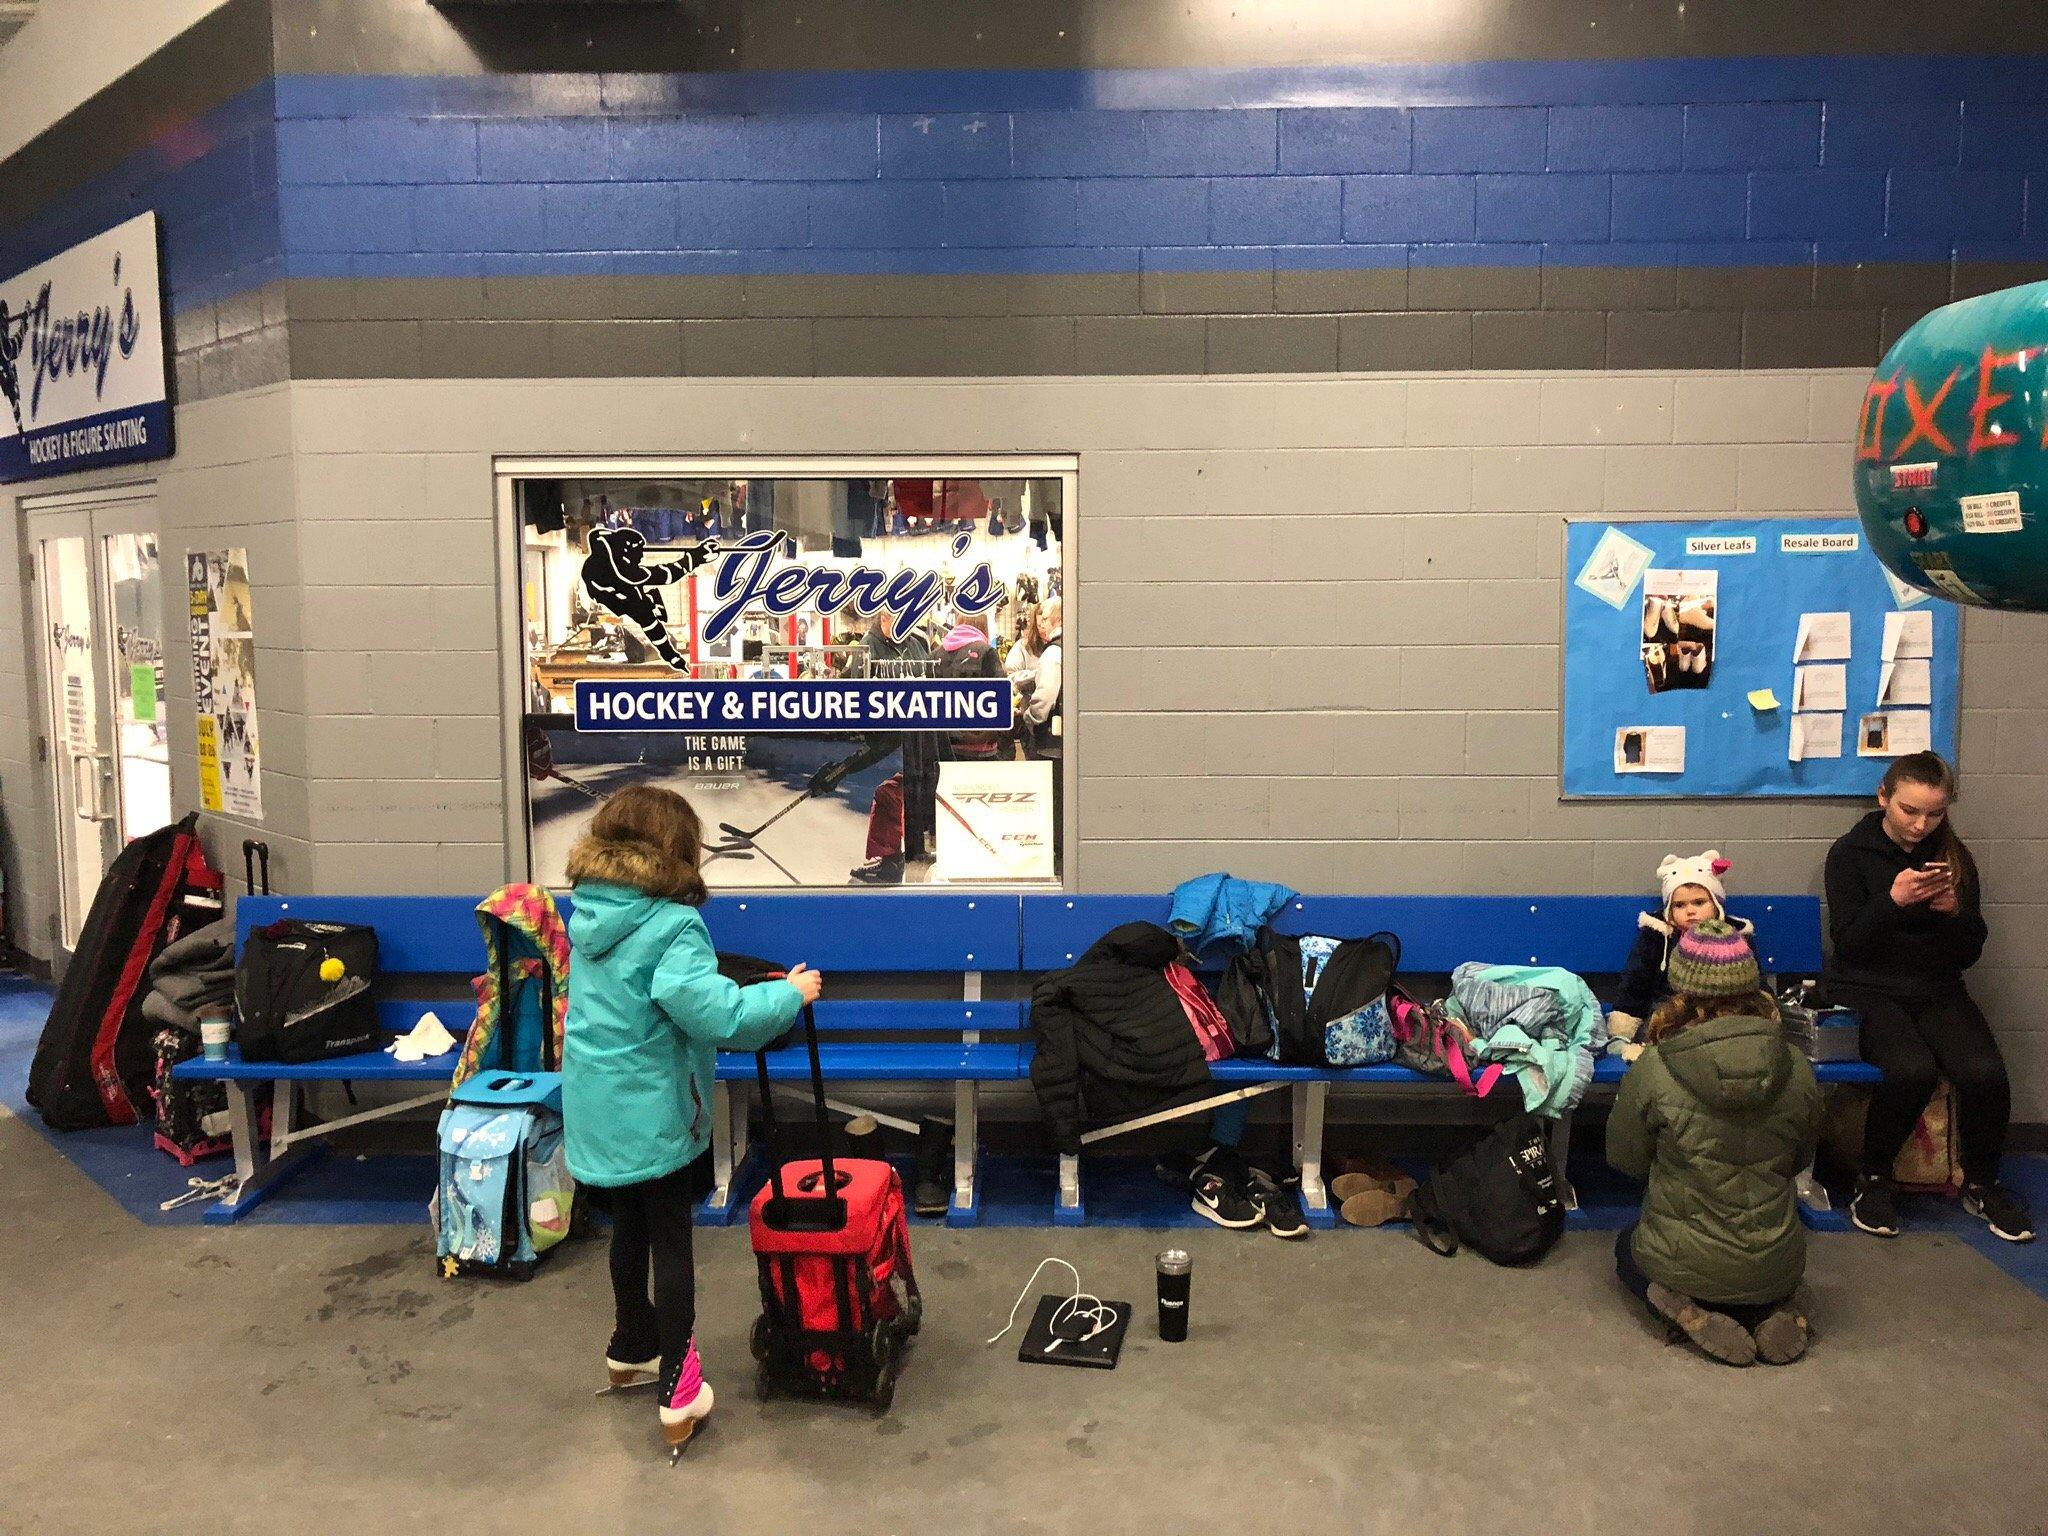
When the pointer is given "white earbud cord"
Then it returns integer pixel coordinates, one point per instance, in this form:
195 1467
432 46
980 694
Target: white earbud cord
1101 1313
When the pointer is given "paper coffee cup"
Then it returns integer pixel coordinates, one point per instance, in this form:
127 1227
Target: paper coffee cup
213 1038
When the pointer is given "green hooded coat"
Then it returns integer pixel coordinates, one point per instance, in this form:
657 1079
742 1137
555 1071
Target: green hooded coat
1719 1118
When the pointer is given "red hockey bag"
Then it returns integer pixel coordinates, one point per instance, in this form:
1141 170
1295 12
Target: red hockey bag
839 1298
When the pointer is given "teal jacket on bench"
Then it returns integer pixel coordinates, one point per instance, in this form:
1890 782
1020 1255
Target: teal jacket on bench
647 1011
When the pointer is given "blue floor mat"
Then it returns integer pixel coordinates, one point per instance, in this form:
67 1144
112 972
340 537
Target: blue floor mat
1120 1190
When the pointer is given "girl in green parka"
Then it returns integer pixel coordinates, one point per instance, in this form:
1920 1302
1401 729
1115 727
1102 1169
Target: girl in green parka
1720 1114
647 1010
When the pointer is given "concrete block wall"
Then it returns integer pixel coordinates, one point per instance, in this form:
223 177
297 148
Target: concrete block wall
1297 657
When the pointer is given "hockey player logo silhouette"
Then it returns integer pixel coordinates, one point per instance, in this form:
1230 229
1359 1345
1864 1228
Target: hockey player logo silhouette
13 332
617 577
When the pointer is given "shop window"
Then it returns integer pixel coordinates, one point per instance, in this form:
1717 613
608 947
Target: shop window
729 609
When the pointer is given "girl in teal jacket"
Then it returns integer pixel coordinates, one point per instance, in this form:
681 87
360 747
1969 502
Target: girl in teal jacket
647 1010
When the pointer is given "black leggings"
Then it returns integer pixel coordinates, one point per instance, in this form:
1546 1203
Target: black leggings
1637 1284
1914 1042
651 1221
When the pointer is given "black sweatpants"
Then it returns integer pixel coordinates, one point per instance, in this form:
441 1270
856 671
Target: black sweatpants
1637 1284
1914 1042
651 1226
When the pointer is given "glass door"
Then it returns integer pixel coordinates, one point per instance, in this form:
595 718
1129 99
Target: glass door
100 619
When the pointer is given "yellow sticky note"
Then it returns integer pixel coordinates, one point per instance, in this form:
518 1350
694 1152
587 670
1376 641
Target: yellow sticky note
1761 699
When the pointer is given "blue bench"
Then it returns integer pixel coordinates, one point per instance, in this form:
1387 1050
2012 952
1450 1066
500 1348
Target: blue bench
1585 934
907 972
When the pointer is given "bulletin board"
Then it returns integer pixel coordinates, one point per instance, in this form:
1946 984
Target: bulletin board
1670 626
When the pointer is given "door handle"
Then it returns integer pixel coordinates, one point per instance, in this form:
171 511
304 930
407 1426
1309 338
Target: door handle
101 781
97 798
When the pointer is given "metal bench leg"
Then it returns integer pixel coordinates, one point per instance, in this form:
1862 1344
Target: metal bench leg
1068 1211
728 1153
1812 1193
259 1174
1310 1102
964 1210
1560 1150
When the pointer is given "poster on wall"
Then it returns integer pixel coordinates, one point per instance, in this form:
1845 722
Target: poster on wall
82 358
855 682
224 682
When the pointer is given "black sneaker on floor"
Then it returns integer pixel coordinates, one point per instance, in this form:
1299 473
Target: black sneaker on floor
1871 1209
2001 1210
1223 1193
1281 1200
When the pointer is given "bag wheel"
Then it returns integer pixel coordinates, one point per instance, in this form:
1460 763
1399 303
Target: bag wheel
757 1338
764 1384
885 1386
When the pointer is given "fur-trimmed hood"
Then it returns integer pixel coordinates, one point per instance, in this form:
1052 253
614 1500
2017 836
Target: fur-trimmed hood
631 862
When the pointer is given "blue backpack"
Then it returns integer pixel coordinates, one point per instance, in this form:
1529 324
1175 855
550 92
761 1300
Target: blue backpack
505 1196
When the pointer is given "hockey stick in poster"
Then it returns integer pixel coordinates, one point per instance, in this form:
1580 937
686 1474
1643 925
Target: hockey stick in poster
999 855
823 781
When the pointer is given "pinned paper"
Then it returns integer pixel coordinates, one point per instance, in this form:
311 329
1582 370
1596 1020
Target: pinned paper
1814 736
1894 733
1762 700
1908 634
1613 569
1822 637
1649 749
1907 682
1904 594
1823 687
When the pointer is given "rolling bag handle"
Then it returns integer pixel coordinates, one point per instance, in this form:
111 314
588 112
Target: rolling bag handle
825 1211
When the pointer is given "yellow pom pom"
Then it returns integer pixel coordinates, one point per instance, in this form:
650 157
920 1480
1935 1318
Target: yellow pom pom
332 969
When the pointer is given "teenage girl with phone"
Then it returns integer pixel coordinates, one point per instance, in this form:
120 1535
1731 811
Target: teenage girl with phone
1903 911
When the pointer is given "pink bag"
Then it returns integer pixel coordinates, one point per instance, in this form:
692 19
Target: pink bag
1427 1039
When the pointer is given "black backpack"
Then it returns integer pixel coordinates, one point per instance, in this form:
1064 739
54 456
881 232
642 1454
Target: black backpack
285 1011
1278 1000
1502 1199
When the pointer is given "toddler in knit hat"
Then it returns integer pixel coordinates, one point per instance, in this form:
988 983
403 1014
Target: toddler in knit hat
1692 891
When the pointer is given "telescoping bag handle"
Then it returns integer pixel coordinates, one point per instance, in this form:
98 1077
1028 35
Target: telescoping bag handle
826 1210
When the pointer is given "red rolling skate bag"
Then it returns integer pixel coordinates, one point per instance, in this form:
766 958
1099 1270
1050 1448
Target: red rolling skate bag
839 1299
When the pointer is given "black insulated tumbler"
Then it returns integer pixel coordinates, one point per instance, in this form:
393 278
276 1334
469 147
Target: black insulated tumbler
1176 1272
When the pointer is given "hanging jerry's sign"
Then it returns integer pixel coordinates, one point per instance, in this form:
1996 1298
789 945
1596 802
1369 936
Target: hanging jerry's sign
82 358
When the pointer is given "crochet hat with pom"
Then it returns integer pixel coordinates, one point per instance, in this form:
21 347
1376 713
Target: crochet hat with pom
1713 960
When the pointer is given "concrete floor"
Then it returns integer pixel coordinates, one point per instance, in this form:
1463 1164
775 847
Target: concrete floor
322 1379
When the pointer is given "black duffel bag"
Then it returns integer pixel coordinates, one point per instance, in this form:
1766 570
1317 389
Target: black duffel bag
286 1011
1502 1199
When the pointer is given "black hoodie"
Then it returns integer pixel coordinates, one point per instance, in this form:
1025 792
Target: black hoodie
1912 952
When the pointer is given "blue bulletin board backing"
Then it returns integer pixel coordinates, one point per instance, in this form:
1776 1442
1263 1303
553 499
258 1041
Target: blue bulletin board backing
1732 749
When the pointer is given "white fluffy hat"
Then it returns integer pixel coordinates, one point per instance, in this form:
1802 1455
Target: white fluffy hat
1703 870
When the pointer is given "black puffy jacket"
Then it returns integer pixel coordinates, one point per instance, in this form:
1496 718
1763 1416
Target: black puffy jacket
1912 952
1113 1040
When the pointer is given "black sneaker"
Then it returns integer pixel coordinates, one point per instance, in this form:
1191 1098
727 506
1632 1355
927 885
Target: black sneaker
1281 1200
1871 1209
2001 1210
1177 1170
1223 1193
882 871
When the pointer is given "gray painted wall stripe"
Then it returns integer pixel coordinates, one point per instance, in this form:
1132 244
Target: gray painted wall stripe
1358 322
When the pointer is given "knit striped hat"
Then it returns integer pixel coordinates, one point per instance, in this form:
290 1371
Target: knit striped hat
1713 960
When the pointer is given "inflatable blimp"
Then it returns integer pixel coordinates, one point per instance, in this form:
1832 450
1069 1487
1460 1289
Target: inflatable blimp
1952 452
